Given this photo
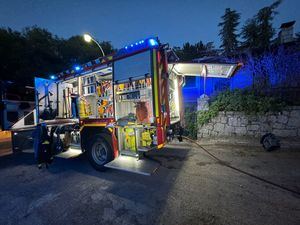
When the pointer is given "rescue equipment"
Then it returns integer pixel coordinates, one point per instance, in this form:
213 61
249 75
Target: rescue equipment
146 138
84 108
130 139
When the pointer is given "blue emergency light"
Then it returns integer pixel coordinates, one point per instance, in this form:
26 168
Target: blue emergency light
77 68
139 45
151 42
53 77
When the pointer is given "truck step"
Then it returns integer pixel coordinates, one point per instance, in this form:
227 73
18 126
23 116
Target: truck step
71 153
144 149
129 153
133 165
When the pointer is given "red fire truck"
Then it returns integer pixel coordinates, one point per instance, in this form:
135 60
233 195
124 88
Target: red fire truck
115 108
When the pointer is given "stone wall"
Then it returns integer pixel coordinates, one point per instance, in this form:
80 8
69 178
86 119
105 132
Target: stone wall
282 124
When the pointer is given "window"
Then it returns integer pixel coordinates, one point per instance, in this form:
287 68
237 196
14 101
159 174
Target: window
134 67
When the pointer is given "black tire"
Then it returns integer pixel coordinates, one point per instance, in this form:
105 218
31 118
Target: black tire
100 151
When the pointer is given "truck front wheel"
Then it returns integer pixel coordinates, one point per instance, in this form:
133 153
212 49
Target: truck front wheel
100 151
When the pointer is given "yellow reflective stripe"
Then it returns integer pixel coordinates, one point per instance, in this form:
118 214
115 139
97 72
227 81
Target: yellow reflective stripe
160 146
155 83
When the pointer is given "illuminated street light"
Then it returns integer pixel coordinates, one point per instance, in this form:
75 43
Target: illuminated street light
88 38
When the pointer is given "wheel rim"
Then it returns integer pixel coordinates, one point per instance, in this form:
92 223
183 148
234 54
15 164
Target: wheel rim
99 153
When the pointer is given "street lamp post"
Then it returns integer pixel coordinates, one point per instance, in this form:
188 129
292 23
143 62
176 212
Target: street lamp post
88 38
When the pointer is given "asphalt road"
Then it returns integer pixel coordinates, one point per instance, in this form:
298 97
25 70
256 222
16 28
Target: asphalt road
188 188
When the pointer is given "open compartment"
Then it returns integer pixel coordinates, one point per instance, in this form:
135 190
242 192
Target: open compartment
174 102
134 108
97 96
88 96
134 115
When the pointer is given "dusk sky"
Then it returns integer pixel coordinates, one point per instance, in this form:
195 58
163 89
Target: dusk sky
122 22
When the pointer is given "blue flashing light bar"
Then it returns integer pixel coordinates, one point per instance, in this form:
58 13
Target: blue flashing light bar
139 45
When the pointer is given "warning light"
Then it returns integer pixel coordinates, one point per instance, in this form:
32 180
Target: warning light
77 68
149 42
153 42
138 45
53 77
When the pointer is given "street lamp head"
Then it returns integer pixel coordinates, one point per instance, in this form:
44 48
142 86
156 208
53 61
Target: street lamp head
87 37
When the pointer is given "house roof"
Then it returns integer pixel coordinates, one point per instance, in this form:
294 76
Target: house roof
287 24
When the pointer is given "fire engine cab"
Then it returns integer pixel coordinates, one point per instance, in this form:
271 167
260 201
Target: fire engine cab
115 108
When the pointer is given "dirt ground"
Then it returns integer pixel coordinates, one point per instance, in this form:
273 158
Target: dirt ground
188 188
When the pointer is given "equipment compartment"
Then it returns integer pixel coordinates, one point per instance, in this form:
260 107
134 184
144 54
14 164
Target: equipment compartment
134 116
134 101
84 97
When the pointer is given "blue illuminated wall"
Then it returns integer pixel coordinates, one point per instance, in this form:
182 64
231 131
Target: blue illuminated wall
194 86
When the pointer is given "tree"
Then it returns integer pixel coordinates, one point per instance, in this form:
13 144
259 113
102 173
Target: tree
13 43
76 51
37 52
277 68
230 21
258 31
189 51
249 34
264 20
42 54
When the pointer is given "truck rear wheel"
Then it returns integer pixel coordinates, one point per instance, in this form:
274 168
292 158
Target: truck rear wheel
100 151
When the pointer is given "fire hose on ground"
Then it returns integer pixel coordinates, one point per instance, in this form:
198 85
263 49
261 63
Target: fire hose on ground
223 163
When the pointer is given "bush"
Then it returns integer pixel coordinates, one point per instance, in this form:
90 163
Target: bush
191 128
245 101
